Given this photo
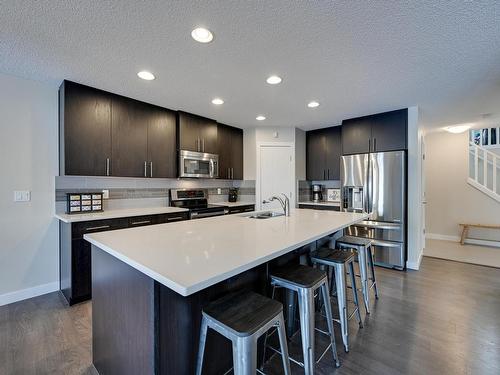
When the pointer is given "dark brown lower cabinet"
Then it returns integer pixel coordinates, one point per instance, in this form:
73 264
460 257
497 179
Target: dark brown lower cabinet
75 253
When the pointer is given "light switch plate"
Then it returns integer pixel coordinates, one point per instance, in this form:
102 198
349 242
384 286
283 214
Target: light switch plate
105 194
219 191
22 196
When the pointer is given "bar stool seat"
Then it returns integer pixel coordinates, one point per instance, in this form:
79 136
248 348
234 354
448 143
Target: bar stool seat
243 317
327 255
299 275
357 241
243 313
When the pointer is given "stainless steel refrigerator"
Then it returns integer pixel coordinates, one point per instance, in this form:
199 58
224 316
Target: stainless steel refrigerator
376 183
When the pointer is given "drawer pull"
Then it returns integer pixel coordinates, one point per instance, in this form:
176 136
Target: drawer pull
249 209
141 222
175 218
96 228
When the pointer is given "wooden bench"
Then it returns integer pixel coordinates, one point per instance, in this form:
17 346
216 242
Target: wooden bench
466 227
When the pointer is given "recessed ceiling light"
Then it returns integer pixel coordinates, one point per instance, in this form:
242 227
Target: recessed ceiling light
144 74
313 104
273 80
217 101
260 118
456 129
202 35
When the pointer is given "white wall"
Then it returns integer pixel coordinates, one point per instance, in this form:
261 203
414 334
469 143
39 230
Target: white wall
450 199
415 190
28 161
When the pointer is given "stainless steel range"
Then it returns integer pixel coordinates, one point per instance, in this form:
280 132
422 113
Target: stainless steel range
196 201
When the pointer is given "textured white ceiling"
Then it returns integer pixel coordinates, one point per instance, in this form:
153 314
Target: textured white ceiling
354 57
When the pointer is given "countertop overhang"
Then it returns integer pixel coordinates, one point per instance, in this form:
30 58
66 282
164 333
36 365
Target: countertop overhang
114 214
189 256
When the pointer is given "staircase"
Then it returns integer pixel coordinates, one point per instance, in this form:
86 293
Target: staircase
484 171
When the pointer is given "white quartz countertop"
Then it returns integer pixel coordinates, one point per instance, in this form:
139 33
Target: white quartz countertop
192 255
113 214
232 204
322 203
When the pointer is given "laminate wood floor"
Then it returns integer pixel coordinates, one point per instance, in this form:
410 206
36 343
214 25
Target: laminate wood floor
443 319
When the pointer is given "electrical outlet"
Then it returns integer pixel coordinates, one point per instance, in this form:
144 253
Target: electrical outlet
219 191
22 196
105 194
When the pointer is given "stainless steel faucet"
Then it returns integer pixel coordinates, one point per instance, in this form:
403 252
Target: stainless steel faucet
285 203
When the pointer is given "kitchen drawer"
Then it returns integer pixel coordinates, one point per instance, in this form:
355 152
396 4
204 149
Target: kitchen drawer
170 218
79 229
377 230
240 209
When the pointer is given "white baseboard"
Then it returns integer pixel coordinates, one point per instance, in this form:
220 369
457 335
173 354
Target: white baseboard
415 265
469 241
443 237
20 295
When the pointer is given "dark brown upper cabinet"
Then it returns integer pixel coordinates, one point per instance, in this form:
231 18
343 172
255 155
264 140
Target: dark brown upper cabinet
389 131
104 134
162 150
323 150
196 133
129 137
85 130
230 150
376 133
143 140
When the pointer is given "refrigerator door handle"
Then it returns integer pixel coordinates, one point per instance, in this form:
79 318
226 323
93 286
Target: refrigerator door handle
366 189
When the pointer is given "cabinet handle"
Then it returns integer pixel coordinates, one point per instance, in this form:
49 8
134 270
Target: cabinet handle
96 228
374 144
328 174
369 145
203 144
228 173
175 218
324 174
145 169
151 168
232 173
198 145
141 222
107 166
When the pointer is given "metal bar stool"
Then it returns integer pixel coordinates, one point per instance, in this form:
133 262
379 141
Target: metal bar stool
242 318
305 280
337 260
365 258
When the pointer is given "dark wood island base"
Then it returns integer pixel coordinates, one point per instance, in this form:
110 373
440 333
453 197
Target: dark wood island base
140 326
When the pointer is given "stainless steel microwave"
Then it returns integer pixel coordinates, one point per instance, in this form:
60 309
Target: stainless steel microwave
198 164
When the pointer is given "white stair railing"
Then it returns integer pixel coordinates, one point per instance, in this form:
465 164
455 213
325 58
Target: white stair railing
484 177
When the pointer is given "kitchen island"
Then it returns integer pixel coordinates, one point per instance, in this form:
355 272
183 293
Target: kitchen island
149 284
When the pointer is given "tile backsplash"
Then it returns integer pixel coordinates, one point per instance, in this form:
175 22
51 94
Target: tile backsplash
140 192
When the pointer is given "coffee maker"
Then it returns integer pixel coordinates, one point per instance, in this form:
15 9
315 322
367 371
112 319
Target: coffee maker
317 193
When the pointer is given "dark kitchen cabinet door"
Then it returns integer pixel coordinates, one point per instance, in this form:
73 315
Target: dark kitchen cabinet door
85 129
224 139
196 133
389 131
333 152
315 155
356 136
230 151
162 150
129 126
81 270
237 154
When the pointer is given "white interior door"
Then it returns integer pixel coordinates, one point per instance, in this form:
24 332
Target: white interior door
276 175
